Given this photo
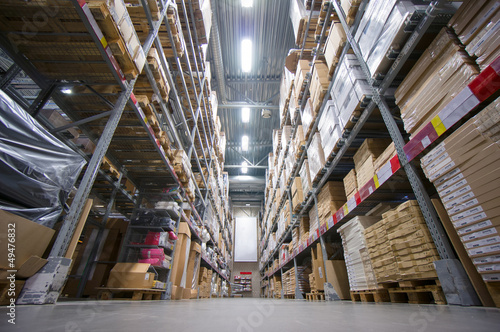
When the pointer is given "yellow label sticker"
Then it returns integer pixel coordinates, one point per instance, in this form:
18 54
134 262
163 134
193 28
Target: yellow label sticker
375 179
104 42
438 125
346 210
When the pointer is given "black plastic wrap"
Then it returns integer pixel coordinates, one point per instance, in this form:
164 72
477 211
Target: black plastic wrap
37 171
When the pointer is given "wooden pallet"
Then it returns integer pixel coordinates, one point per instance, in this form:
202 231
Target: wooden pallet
134 294
370 295
289 296
422 291
315 296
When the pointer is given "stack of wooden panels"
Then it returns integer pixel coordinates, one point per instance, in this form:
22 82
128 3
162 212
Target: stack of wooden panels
358 263
350 184
364 159
330 200
476 24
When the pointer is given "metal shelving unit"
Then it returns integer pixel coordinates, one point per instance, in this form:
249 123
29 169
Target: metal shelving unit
480 89
111 140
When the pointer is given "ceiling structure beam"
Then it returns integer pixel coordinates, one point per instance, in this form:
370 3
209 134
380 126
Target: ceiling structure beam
249 166
239 105
255 80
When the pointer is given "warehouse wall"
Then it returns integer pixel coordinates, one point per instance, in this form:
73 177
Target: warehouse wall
245 266
249 267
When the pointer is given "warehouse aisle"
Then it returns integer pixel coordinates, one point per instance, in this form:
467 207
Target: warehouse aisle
247 315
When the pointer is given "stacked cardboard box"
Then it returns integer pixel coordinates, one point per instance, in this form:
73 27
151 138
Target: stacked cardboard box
297 193
276 286
319 84
276 144
302 75
412 251
333 46
304 229
441 72
350 8
465 169
312 283
358 263
383 158
295 237
299 16
299 142
364 159
313 220
476 24
330 200
316 156
350 184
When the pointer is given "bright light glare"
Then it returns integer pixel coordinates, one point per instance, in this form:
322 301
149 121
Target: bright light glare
67 91
245 115
246 55
246 3
244 143
244 168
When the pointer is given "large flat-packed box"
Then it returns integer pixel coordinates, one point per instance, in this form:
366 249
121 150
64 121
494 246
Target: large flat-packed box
299 16
350 183
330 199
476 24
439 75
308 118
31 241
193 265
301 75
183 245
318 265
305 176
131 275
337 275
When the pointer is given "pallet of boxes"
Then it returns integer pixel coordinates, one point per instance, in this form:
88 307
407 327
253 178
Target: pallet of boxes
405 267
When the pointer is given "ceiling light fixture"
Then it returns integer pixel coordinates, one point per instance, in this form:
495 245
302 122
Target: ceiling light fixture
245 115
246 55
244 143
67 91
247 3
244 168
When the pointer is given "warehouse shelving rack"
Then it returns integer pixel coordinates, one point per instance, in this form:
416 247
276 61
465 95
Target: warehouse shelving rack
122 105
484 86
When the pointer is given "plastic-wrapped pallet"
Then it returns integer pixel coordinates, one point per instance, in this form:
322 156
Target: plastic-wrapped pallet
305 176
358 263
465 170
308 117
329 128
299 17
316 156
350 91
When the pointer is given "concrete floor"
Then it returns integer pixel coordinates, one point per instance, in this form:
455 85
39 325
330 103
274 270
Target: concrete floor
247 315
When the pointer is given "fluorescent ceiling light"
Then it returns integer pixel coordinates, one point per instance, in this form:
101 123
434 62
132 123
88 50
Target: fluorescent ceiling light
244 143
66 91
247 3
247 204
245 115
246 55
244 168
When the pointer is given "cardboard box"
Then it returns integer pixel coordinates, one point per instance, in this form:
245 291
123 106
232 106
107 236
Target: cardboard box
131 275
31 241
181 256
193 266
337 275
177 292
186 293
